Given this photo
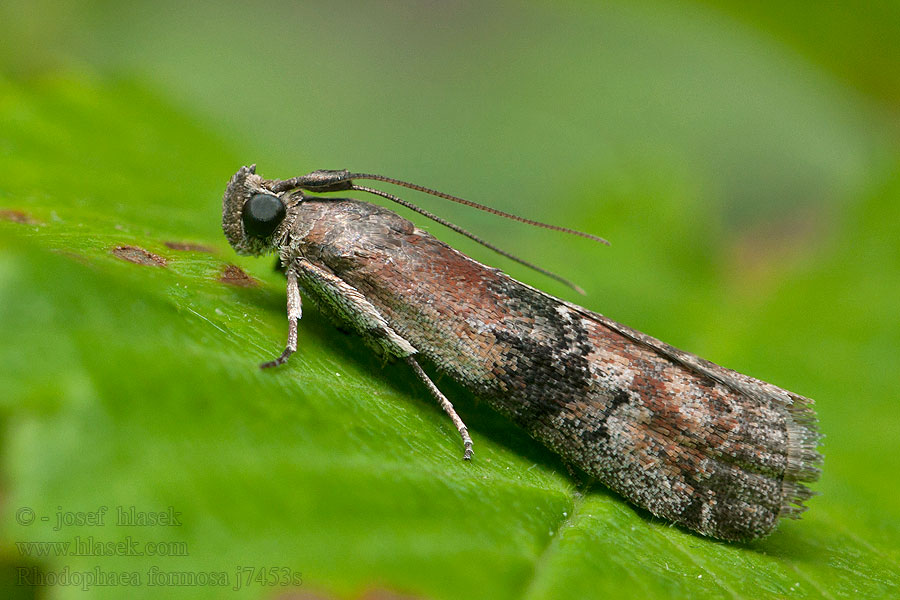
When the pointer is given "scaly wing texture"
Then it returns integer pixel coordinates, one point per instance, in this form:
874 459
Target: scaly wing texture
719 452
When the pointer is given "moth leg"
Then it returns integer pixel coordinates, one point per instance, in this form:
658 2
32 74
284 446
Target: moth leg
351 308
356 311
294 312
445 404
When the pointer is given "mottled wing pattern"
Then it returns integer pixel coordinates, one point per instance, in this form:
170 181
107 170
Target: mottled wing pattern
720 452
717 451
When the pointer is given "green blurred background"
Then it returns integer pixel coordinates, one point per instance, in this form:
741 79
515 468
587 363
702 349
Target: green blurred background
743 161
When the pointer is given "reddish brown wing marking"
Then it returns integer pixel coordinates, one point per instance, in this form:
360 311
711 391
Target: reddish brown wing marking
735 450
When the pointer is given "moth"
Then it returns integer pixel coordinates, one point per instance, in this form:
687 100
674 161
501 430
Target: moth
716 451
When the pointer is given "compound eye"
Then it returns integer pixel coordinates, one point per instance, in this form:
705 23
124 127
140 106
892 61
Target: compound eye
262 215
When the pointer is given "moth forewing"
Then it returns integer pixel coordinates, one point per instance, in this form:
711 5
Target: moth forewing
717 451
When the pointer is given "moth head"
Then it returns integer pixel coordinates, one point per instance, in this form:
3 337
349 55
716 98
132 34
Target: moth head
253 216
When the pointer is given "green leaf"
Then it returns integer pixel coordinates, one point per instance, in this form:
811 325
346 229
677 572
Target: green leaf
136 385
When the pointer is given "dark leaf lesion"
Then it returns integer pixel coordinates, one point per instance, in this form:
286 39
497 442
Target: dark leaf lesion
18 216
189 247
139 256
234 275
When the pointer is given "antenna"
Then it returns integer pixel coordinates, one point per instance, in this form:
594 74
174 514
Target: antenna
469 235
324 181
493 211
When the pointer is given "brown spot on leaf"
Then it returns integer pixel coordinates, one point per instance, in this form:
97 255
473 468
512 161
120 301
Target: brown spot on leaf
139 256
234 275
189 247
17 216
